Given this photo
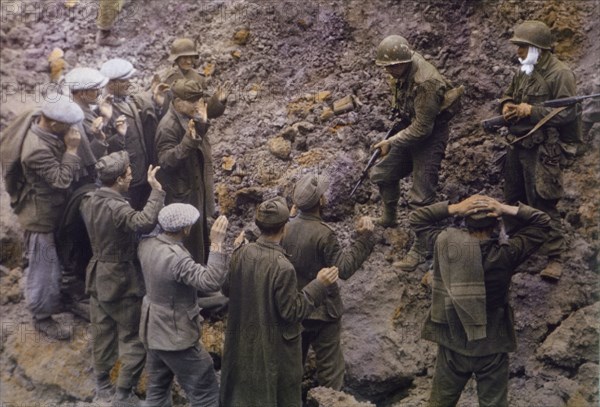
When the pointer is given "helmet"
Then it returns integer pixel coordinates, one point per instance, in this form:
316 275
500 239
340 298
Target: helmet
182 47
533 33
393 50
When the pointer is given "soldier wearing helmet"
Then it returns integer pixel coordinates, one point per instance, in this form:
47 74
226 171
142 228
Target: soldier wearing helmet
418 91
532 173
184 57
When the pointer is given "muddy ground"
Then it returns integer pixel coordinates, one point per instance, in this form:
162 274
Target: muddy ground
289 61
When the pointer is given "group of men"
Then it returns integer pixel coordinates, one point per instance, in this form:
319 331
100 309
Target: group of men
119 157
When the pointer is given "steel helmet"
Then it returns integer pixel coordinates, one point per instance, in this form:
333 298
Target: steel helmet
393 50
534 33
183 47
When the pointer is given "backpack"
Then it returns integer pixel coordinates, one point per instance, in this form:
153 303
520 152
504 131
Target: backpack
11 144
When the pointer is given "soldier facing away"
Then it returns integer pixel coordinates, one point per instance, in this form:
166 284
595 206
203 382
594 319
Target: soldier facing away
418 92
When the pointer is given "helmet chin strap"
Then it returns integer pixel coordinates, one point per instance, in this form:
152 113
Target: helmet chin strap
528 63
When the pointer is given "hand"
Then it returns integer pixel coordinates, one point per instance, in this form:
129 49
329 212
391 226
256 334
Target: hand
121 125
106 108
72 140
96 128
152 181
293 211
511 111
469 206
328 275
384 146
223 91
191 133
202 110
159 93
240 240
365 225
523 110
508 110
219 230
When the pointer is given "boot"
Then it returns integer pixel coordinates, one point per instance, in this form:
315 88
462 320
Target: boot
107 39
52 329
413 259
553 269
104 389
125 398
388 217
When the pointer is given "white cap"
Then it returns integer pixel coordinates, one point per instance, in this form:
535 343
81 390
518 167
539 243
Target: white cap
117 68
62 109
85 78
174 217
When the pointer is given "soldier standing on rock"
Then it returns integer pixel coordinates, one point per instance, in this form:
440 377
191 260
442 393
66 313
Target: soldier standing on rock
312 245
532 172
418 94
470 318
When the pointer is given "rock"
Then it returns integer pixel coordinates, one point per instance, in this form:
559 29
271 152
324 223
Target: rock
344 105
228 163
575 341
280 147
325 397
327 114
241 36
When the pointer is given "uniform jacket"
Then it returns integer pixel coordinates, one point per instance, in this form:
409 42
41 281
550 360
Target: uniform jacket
113 227
312 245
262 363
420 97
49 173
187 174
500 261
170 314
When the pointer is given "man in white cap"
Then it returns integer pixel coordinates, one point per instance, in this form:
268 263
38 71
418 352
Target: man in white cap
171 321
140 119
114 280
312 245
262 358
49 164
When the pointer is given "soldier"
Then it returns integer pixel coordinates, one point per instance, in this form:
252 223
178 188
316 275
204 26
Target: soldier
532 172
114 280
108 11
49 163
312 245
172 280
141 122
262 358
184 57
470 317
418 94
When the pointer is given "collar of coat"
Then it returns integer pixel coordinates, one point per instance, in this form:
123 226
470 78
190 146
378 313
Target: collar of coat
310 216
270 245
106 192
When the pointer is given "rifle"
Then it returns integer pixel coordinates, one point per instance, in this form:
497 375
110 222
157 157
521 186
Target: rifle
397 126
495 123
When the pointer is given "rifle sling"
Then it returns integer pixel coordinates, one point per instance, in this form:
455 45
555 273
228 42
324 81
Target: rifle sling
539 124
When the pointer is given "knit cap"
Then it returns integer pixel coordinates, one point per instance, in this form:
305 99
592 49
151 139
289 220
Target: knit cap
309 189
113 165
62 109
174 217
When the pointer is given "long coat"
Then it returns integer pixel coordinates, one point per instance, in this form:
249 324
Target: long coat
187 175
262 363
112 224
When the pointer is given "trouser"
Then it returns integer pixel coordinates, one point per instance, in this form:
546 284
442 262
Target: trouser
115 326
522 170
42 288
324 337
423 161
453 371
108 11
194 370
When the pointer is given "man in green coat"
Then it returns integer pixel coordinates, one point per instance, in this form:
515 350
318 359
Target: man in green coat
312 245
418 91
114 280
532 172
262 358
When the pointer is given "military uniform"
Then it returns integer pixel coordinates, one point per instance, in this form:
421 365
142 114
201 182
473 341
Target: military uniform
312 245
171 322
262 358
114 280
458 358
532 172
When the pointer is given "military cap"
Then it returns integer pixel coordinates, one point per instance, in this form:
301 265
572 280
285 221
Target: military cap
112 166
62 109
309 189
174 217
480 220
117 68
85 78
187 89
272 212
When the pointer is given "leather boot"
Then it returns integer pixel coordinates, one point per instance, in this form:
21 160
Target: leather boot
52 329
104 388
388 217
389 196
415 256
125 398
107 39
553 269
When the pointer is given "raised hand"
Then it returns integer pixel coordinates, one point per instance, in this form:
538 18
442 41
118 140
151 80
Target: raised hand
152 181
